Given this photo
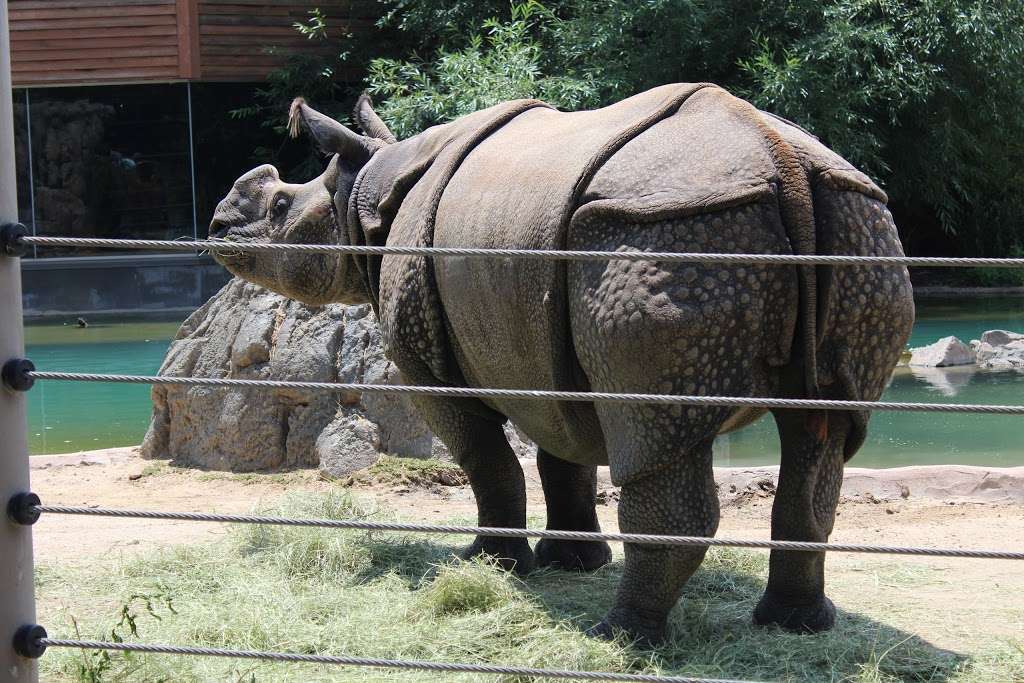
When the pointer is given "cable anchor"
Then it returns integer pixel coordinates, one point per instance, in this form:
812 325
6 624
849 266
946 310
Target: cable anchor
26 641
23 508
11 243
16 374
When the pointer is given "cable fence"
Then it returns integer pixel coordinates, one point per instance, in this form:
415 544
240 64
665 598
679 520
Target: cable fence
25 509
28 508
532 254
410 664
24 376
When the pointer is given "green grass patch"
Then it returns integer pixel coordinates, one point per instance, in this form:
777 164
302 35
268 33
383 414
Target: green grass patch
405 597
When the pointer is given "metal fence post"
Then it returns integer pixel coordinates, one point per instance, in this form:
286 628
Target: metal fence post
17 598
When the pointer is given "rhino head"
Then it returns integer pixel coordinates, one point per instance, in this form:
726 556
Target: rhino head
263 208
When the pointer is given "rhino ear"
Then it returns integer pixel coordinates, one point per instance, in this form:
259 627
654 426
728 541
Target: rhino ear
330 136
370 122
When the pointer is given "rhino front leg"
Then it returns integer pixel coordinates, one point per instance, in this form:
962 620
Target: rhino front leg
570 494
479 446
680 500
810 477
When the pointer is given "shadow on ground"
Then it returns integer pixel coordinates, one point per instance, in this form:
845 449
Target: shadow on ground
711 634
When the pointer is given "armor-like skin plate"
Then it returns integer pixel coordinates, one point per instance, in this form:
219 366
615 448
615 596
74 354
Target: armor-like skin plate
684 168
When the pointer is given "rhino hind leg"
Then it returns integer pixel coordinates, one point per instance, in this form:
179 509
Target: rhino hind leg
810 477
479 446
500 491
678 500
570 494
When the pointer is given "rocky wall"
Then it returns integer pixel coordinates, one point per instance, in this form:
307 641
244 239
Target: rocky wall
248 332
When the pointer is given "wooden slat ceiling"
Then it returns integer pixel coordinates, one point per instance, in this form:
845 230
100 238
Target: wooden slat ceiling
107 41
234 35
82 41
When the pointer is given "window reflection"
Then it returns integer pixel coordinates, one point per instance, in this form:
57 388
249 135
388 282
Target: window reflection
111 162
229 146
114 161
21 157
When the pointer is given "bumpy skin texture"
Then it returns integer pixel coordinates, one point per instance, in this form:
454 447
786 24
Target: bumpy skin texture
679 168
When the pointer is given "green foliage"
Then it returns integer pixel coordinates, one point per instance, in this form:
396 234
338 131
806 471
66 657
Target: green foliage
927 96
995 277
506 64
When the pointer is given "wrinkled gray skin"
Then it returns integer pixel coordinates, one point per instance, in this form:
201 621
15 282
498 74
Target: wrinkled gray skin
700 330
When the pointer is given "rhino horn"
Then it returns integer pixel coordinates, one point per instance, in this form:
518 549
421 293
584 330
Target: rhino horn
370 121
330 176
329 136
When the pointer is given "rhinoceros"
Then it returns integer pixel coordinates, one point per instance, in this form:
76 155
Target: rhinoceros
683 168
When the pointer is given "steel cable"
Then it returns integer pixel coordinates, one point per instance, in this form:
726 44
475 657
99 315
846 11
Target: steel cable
668 257
417 664
553 534
537 395
535 254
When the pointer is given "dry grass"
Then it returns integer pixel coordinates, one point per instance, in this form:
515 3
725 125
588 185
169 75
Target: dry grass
396 596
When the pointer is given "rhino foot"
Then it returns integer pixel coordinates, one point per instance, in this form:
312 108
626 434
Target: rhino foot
800 618
580 556
511 554
642 631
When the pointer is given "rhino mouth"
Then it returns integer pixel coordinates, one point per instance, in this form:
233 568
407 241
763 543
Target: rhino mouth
223 230
218 229
233 259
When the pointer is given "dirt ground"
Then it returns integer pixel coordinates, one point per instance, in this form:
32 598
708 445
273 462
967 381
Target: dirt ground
954 603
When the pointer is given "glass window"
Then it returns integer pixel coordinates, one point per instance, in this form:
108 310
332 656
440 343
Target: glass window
227 146
111 161
21 157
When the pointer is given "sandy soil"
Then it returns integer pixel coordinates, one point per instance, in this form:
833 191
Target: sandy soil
964 601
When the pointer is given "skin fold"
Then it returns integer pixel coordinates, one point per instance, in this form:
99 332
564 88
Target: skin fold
685 168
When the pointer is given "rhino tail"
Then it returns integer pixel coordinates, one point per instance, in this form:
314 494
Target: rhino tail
796 208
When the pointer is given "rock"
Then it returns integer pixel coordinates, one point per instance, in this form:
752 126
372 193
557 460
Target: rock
1000 337
1008 357
984 352
943 353
347 444
247 332
1001 350
953 483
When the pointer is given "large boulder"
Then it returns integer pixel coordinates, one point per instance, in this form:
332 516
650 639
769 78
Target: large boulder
248 332
1000 337
999 349
946 352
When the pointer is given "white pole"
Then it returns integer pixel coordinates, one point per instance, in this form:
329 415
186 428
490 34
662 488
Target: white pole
17 599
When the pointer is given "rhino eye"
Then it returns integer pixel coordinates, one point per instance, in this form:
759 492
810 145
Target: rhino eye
280 207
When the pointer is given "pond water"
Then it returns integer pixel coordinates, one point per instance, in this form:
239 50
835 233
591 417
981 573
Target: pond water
65 417
71 416
903 438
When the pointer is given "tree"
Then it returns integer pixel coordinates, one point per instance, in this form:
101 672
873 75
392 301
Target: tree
927 96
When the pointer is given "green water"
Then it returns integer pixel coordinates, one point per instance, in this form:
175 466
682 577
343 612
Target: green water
65 417
71 416
904 438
